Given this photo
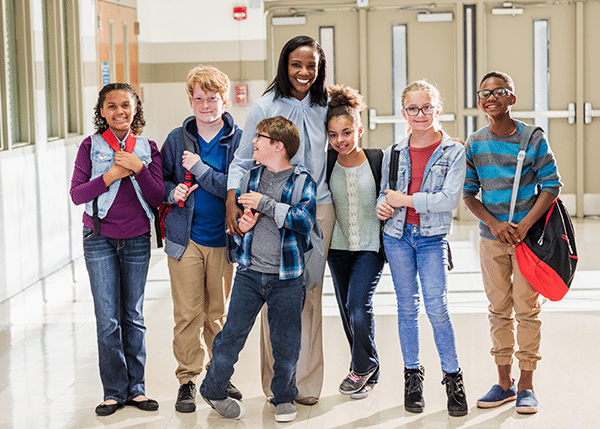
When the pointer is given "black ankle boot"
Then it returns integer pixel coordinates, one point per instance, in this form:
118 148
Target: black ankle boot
413 390
455 389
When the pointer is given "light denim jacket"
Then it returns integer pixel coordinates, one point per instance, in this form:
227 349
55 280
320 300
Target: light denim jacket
102 156
440 191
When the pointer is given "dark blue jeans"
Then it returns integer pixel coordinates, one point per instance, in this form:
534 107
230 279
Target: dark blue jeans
251 290
355 276
117 271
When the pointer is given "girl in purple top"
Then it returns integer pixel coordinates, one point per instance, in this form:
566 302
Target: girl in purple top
118 176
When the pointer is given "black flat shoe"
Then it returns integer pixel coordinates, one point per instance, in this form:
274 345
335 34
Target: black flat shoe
107 409
145 405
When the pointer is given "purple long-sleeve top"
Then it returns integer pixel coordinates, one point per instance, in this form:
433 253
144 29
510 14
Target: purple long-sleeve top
126 217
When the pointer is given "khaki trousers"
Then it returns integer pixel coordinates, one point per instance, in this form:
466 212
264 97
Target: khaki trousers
200 286
309 372
510 294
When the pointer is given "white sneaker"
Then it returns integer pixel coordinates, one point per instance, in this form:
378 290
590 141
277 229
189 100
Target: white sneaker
285 412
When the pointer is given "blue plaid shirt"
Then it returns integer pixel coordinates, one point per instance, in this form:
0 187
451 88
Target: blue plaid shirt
294 222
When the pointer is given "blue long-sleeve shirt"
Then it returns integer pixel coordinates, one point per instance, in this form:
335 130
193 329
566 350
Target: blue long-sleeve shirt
310 121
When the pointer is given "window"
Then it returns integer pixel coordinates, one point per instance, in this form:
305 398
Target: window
62 70
541 67
399 74
327 41
16 75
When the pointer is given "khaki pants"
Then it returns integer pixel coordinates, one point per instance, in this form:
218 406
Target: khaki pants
509 293
309 373
200 286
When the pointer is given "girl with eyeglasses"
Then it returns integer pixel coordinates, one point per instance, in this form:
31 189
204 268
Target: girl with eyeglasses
417 210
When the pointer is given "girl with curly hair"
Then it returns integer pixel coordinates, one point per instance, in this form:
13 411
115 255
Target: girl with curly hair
355 254
118 176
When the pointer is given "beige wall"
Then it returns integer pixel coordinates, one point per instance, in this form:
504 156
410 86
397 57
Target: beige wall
435 50
163 69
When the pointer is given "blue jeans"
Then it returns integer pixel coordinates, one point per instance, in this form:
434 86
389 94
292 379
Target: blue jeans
251 290
117 271
355 276
428 257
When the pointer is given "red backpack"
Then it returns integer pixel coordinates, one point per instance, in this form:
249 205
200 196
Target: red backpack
547 257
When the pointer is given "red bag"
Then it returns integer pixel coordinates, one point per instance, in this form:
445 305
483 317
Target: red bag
547 257
163 211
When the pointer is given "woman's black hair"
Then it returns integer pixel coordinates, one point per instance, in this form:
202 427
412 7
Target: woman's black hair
282 86
138 123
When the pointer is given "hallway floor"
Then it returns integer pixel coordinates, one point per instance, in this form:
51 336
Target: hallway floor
49 372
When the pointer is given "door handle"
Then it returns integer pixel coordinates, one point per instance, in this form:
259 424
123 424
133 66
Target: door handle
569 114
589 113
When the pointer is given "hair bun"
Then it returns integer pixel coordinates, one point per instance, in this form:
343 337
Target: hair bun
340 95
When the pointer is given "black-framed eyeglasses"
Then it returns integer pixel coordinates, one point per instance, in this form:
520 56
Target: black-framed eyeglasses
484 94
259 135
414 111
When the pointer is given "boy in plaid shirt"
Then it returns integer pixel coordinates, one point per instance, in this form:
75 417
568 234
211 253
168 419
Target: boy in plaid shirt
270 259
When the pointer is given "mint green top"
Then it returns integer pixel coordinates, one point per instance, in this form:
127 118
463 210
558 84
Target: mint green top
356 224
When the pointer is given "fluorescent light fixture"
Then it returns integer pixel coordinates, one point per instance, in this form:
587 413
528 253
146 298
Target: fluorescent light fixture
288 20
507 11
435 17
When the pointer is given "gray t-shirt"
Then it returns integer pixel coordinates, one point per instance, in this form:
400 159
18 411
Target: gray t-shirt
265 254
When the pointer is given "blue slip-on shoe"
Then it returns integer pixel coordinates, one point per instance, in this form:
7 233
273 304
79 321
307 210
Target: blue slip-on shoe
527 403
497 396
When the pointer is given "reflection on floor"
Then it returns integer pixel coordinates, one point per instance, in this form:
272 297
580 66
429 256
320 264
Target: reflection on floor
49 376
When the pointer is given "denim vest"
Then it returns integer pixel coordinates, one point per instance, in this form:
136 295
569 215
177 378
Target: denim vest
102 156
440 191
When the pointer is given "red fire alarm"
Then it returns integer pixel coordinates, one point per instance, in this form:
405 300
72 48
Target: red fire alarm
239 13
241 95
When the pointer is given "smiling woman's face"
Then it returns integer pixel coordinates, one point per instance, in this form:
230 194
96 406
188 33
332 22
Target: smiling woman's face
303 69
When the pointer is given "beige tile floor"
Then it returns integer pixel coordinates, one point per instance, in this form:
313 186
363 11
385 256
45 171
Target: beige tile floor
49 376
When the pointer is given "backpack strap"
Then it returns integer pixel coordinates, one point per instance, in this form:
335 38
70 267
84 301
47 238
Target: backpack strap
190 145
375 158
526 135
331 158
394 160
244 182
298 188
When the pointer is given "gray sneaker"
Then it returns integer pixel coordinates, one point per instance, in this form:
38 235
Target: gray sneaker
285 412
364 392
353 382
229 408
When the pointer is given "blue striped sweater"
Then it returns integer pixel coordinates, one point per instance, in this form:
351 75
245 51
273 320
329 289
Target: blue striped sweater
491 166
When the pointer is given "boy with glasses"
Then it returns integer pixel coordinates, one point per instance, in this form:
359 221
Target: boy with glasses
270 258
491 162
196 158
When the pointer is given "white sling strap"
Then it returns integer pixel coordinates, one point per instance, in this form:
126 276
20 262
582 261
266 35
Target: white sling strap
525 137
